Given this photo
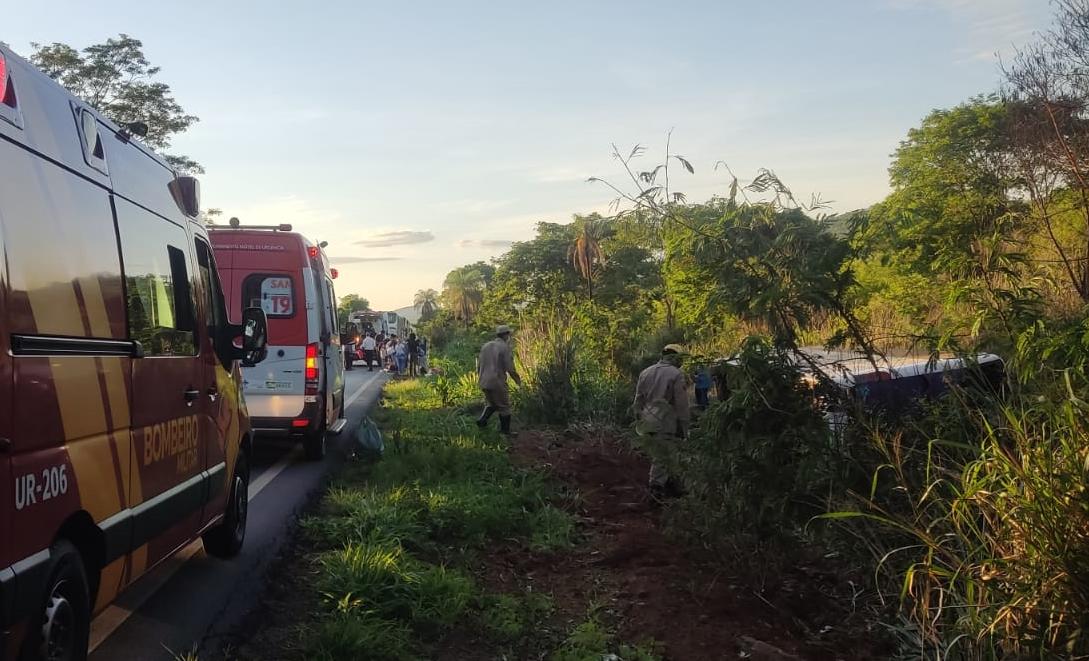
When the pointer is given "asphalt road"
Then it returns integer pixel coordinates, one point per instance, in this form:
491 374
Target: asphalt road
192 601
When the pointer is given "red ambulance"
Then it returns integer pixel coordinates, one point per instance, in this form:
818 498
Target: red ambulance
299 388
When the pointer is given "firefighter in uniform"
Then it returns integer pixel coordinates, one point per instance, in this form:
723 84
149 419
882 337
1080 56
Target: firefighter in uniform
661 402
493 365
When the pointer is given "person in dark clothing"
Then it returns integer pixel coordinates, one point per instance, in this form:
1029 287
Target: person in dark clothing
702 384
413 354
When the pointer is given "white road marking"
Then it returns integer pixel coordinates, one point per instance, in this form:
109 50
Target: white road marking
110 619
361 389
272 471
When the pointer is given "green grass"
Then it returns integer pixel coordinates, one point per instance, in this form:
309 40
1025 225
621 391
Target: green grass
591 640
508 618
392 539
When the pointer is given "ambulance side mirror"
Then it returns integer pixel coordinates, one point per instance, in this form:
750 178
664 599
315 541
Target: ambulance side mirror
186 192
254 336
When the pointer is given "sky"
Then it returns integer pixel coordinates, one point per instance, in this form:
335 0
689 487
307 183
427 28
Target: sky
415 137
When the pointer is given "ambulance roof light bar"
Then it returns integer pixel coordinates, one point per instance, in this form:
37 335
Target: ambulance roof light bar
237 224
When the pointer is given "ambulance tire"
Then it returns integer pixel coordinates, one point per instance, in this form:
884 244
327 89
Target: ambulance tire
314 444
63 624
226 538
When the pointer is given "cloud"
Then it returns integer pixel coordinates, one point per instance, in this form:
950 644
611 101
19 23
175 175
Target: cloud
303 215
397 238
560 175
471 206
338 261
485 243
987 26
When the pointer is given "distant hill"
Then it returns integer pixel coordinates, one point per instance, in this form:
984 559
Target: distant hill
410 312
840 224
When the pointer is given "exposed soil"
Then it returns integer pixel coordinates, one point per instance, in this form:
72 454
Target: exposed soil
650 585
643 582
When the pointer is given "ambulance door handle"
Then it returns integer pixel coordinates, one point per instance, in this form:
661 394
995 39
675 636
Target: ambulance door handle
191 395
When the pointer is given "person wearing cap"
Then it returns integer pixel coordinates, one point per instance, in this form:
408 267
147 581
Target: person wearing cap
661 402
494 364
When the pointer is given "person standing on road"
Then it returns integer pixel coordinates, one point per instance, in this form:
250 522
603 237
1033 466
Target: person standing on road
493 365
413 354
423 355
661 402
391 353
369 345
400 355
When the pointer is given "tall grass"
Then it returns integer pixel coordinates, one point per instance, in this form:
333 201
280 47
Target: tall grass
989 555
547 354
563 383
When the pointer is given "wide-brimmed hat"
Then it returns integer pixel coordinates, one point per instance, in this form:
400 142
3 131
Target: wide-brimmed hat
502 329
672 348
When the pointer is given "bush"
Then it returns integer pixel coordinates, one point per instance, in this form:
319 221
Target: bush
760 464
563 381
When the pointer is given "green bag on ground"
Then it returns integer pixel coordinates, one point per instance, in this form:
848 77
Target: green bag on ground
368 440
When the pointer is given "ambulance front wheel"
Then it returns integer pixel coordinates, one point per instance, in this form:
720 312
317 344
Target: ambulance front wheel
226 538
63 623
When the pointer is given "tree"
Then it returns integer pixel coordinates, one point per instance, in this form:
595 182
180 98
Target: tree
463 292
427 303
777 267
952 181
586 253
118 80
209 216
350 303
532 274
1049 84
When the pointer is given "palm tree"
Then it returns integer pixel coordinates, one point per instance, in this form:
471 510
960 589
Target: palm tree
463 292
586 253
427 303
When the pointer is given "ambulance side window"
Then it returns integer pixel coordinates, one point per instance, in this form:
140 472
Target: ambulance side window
331 307
215 308
272 292
161 313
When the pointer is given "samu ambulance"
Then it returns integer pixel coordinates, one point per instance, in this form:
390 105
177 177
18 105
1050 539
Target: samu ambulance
299 389
123 432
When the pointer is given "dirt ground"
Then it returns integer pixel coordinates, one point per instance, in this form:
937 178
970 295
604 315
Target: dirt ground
641 581
692 604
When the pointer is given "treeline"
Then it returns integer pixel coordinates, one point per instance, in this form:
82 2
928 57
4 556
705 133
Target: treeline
971 511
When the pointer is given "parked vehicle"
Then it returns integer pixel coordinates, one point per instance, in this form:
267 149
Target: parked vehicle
392 323
894 387
367 320
123 432
350 337
898 384
299 390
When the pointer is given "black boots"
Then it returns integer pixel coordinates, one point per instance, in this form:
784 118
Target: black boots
504 420
482 421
